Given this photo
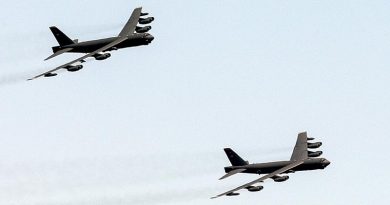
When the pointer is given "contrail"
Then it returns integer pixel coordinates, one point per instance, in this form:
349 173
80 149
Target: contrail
152 197
22 76
176 186
18 77
12 78
190 194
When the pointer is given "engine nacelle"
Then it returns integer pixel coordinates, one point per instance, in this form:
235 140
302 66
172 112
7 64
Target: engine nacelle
144 14
102 56
146 20
233 194
280 178
145 29
50 74
314 154
310 138
74 68
254 188
314 145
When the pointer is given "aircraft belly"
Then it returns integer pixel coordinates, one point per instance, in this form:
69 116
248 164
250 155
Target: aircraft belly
304 167
91 46
264 170
85 48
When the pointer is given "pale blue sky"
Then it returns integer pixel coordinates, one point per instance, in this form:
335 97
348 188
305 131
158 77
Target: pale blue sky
148 125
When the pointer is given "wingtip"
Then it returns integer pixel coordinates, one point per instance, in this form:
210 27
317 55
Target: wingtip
49 57
33 78
225 176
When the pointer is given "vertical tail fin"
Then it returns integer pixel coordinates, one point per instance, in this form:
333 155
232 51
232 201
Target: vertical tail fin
234 158
61 38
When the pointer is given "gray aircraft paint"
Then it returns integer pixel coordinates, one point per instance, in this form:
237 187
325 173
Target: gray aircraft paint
299 161
96 48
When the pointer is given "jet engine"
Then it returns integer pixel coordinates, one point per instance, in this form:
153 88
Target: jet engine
144 14
50 74
145 29
314 154
233 194
310 138
74 68
280 178
146 20
102 56
314 145
254 188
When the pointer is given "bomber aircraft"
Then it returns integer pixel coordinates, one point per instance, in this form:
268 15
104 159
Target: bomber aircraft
130 36
302 159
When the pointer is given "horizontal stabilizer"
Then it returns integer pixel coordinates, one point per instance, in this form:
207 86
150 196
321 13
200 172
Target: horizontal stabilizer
236 171
59 53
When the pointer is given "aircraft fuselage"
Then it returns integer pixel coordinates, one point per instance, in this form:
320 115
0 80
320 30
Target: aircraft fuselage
91 46
269 167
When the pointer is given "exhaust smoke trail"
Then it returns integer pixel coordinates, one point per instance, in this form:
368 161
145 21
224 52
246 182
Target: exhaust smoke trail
22 76
13 78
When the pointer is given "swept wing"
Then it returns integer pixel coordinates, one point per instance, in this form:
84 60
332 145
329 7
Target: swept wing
131 24
300 149
261 179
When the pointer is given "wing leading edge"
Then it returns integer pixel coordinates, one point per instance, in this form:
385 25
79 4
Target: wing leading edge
261 179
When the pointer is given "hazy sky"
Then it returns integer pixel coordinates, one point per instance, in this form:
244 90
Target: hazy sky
148 125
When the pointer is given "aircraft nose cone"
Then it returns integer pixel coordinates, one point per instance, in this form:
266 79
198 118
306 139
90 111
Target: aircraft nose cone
150 37
326 163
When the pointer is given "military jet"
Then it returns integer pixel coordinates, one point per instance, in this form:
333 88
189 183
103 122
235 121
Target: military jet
302 159
130 36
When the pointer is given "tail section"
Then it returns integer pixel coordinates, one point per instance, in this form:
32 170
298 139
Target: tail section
234 159
61 38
